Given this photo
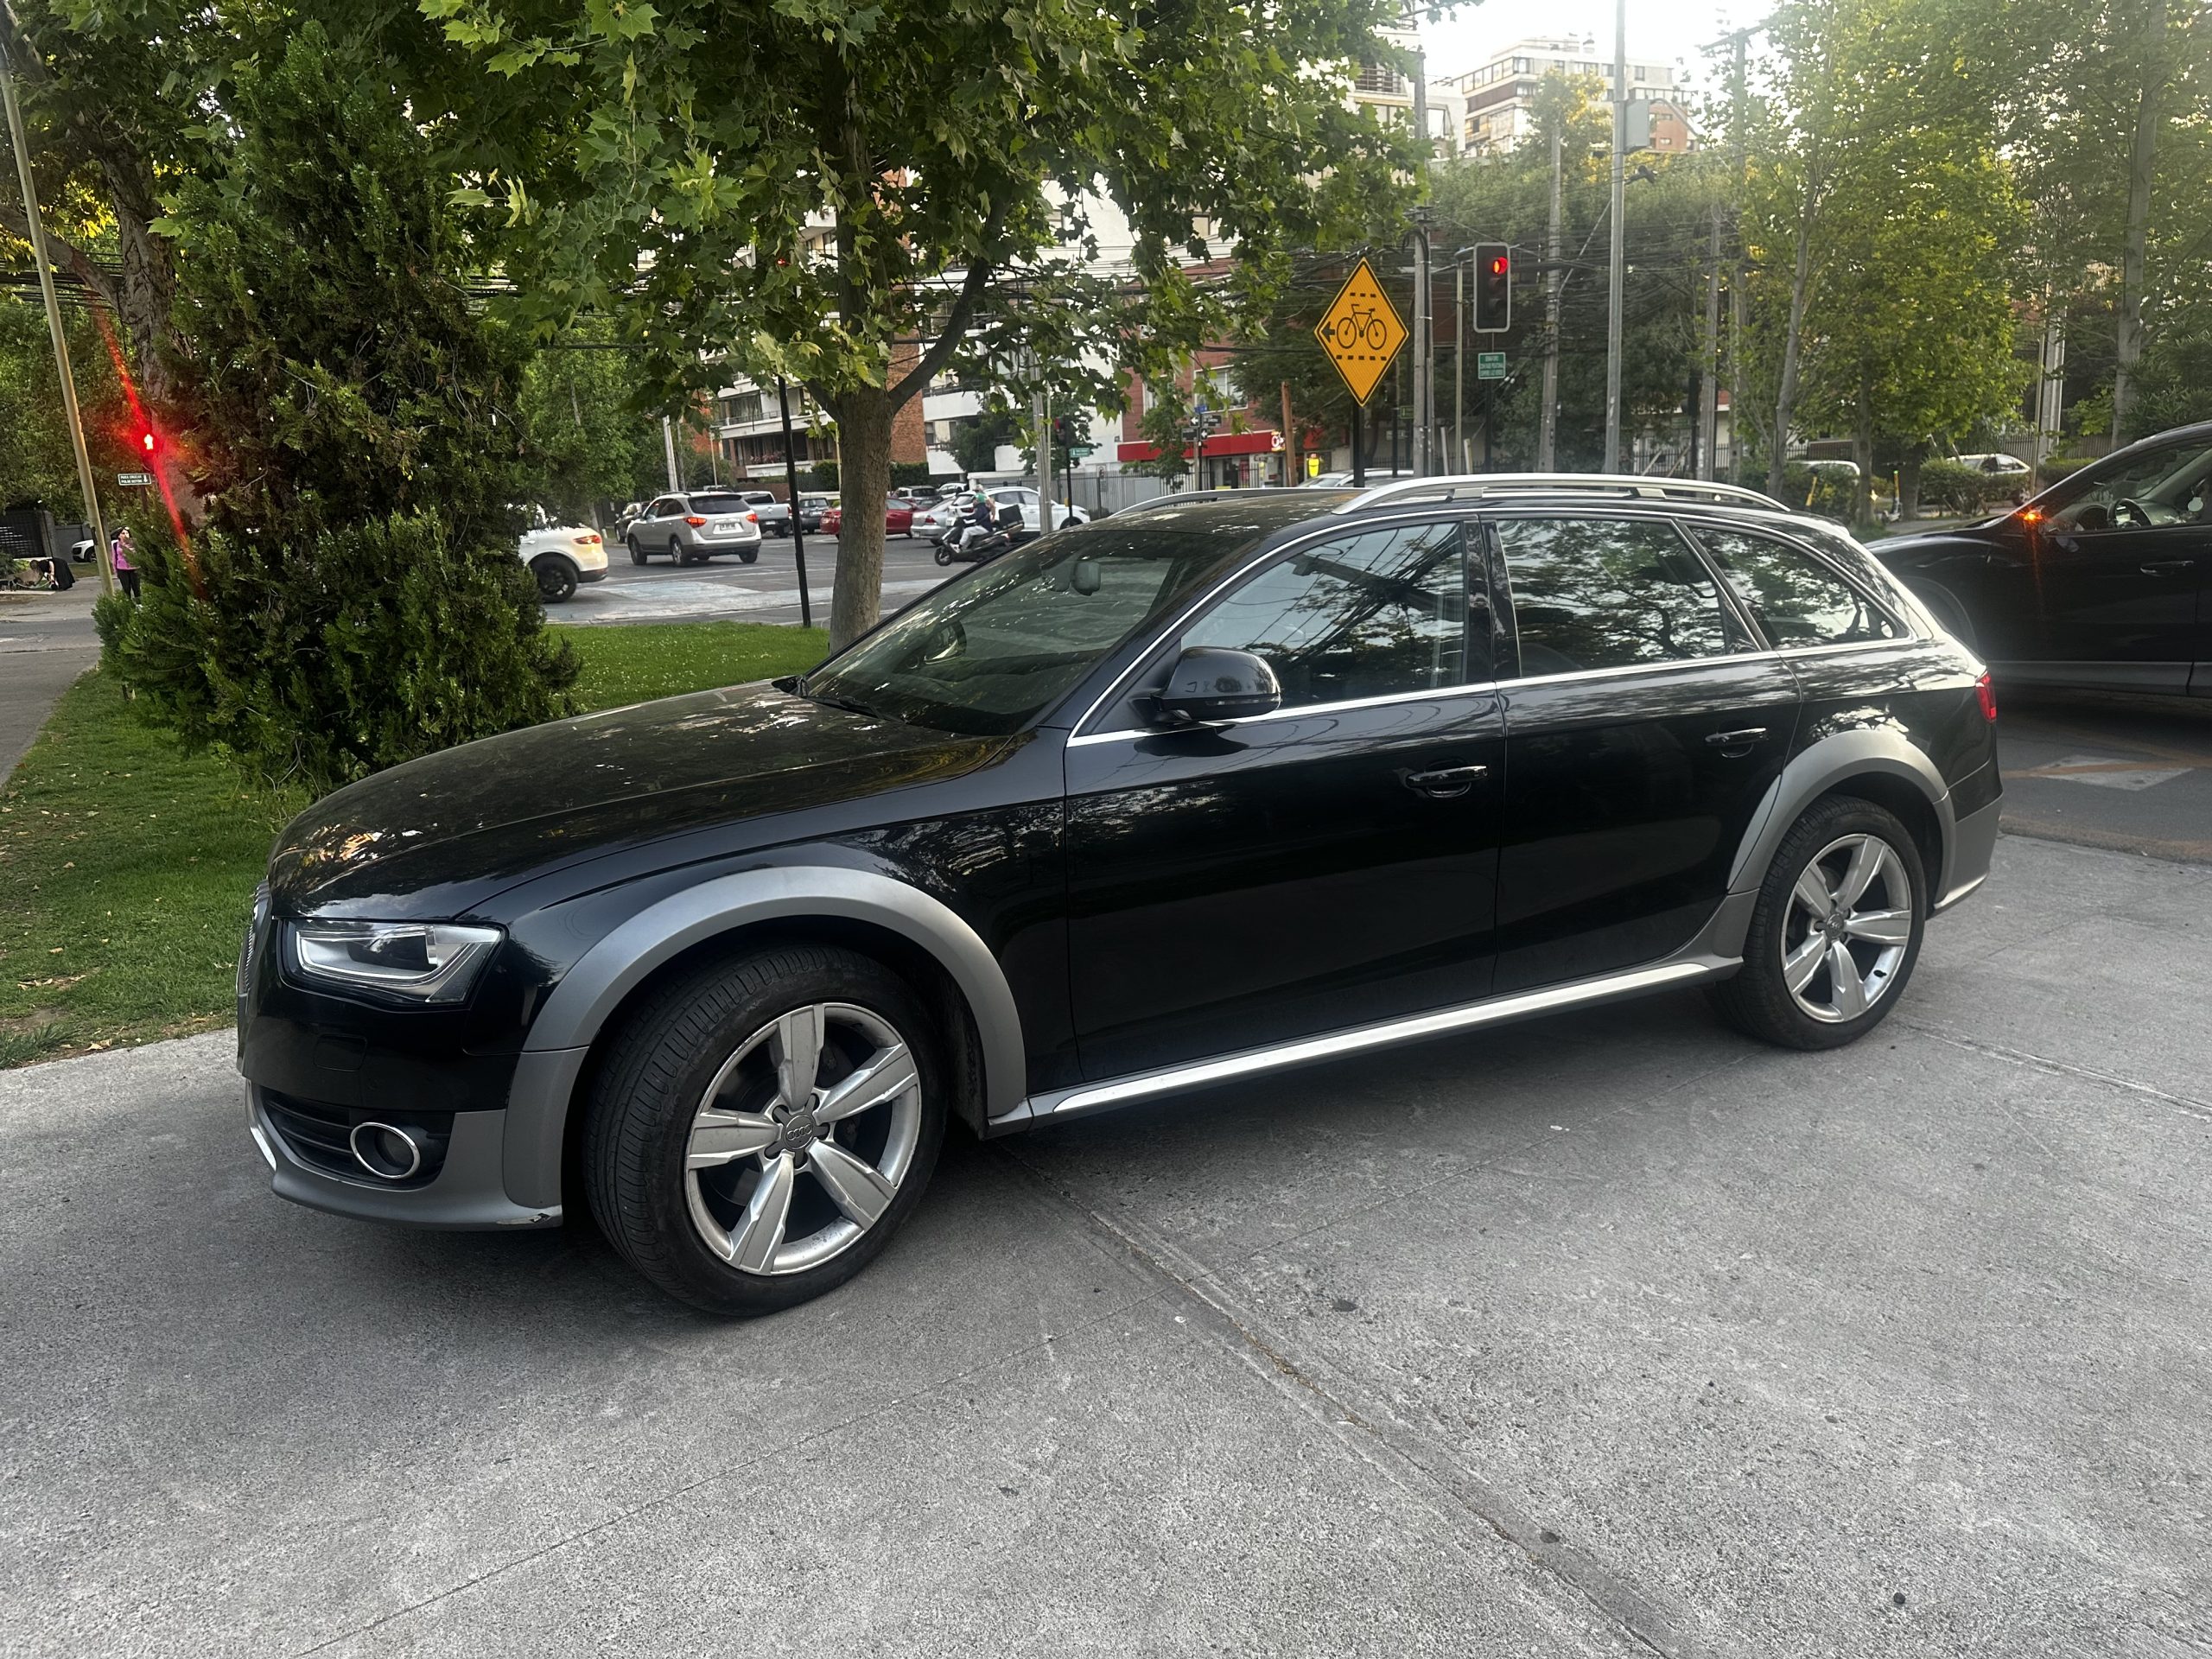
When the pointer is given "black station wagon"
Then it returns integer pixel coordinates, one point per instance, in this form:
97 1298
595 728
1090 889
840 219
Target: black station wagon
1229 784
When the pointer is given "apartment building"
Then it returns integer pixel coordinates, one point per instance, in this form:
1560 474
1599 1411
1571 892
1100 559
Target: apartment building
1497 99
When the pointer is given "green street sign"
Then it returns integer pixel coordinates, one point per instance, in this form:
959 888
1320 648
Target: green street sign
1490 365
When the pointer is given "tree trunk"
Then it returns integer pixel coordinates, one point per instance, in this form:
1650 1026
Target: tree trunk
2141 166
1800 291
1862 454
864 483
1909 481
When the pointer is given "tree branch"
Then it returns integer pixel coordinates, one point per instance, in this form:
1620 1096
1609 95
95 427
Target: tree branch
17 224
955 330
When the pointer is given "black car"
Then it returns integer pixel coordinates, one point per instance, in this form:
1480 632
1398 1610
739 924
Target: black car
1194 794
2103 581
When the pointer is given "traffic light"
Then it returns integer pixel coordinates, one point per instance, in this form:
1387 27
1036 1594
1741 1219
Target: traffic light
1067 432
148 443
1493 288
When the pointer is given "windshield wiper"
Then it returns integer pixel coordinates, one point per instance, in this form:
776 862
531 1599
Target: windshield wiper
827 702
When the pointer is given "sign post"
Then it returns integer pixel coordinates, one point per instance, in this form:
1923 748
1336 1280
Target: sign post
1360 332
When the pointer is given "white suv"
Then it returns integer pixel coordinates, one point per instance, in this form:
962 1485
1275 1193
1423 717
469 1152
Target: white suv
560 557
694 526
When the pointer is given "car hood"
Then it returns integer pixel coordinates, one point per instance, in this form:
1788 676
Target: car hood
446 832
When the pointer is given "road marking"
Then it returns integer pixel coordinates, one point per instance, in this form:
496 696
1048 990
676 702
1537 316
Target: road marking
2105 771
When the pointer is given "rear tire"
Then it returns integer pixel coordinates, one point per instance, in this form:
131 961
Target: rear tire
701 1069
676 551
748 554
1836 931
557 580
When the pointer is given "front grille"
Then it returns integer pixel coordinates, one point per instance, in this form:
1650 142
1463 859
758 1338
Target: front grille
319 1135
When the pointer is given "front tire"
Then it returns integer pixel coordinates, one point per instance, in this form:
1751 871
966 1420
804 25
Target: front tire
763 1125
1836 931
637 553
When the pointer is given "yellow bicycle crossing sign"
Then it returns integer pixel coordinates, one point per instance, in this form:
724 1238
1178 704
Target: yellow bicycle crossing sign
1360 332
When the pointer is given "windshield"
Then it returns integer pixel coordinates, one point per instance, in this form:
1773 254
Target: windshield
989 651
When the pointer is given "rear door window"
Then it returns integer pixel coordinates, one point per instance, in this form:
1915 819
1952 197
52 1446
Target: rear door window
1611 593
1798 600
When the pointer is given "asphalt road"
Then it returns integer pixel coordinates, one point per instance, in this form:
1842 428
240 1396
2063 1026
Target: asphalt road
765 591
2132 773
1610 1335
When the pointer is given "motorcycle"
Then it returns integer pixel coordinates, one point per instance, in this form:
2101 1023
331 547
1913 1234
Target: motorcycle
948 546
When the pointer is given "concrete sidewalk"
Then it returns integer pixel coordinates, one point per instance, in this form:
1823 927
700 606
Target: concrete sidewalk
1612 1334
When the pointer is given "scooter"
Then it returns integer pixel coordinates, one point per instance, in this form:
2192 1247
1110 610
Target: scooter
949 549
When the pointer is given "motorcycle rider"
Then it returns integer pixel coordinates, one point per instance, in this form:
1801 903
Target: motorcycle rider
983 519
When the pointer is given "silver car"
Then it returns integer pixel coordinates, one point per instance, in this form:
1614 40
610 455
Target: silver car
694 526
775 514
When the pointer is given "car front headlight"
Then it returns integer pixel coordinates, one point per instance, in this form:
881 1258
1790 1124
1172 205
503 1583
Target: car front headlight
418 961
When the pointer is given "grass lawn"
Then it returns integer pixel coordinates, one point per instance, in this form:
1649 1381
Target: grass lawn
129 867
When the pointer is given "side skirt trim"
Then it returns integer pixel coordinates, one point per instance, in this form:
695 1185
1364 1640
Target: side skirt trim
1494 1011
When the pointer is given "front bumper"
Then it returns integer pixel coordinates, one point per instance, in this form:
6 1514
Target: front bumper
468 1192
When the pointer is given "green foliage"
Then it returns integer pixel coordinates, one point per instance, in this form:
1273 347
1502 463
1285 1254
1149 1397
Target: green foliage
1952 490
2057 468
974 443
905 472
588 444
317 663
824 475
339 374
683 152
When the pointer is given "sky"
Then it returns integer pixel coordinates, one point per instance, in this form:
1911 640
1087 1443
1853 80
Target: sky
1669 30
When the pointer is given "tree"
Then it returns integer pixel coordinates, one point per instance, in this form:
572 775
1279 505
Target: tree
358 598
812 188
588 442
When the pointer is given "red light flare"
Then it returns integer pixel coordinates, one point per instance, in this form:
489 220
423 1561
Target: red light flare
143 424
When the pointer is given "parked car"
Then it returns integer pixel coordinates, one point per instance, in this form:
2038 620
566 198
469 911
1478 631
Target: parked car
561 557
1132 810
694 527
810 509
898 519
2102 581
2007 468
775 514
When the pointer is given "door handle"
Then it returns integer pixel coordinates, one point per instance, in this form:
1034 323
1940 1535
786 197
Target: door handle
2159 566
1445 782
1737 740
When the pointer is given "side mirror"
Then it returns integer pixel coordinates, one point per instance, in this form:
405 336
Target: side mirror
1210 685
1086 576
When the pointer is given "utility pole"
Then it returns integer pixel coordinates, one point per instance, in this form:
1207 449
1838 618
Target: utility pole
1458 365
1617 275
668 444
1043 402
36 226
1424 313
1555 293
1708 398
791 481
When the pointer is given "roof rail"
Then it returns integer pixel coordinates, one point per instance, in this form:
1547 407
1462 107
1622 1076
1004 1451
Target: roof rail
1475 486
1185 498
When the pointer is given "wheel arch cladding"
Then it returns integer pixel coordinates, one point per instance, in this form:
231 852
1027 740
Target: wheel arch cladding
913 933
1875 763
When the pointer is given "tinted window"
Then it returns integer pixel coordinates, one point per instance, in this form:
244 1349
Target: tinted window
2170 485
1608 593
1363 616
987 652
709 504
1799 600
663 508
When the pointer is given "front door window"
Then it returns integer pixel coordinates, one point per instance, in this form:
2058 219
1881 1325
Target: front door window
2170 485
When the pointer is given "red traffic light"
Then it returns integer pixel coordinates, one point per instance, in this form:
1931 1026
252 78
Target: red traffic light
1499 266
1493 288
146 441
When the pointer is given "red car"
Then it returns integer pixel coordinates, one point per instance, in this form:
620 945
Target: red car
898 519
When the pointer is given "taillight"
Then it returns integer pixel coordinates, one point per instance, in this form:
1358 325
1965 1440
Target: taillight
751 517
1986 694
586 541
693 519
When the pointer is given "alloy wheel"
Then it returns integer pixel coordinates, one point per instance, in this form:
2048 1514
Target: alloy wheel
1848 927
802 1140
